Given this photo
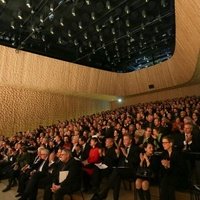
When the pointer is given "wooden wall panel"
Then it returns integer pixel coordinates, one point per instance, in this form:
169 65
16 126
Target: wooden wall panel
22 109
159 96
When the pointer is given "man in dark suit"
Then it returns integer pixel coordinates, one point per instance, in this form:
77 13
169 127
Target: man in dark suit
85 148
188 140
66 177
36 175
128 163
109 160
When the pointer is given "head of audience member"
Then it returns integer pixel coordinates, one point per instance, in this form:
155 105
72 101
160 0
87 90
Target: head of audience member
148 132
127 140
167 142
65 155
188 128
148 148
109 143
44 154
93 142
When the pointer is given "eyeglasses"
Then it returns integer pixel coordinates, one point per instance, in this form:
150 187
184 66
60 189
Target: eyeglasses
165 142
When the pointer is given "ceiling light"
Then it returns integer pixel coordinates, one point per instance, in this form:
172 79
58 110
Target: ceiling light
80 50
85 35
128 42
73 12
12 24
127 23
69 33
126 9
93 51
19 15
33 28
142 26
75 42
3 1
100 38
51 7
87 2
163 3
61 22
141 36
104 46
115 40
41 18
108 5
113 31
144 15
93 16
111 19
80 25
156 29
97 28
43 38
106 53
59 40
28 3
90 44
51 30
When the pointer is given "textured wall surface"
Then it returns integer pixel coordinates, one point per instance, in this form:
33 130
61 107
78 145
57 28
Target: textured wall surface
23 109
161 95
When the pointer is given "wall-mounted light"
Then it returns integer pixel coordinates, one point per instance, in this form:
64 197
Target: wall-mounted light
119 100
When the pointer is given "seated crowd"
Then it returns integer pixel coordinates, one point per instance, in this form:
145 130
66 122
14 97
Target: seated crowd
144 143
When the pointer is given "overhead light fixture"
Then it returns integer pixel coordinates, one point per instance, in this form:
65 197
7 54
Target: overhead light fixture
51 30
41 19
90 44
93 16
80 50
73 12
97 28
163 3
28 3
69 33
101 38
80 25
141 36
111 19
127 23
113 31
116 48
12 24
59 40
156 29
103 46
142 26
33 28
75 42
3 1
19 15
87 2
144 14
61 22
93 51
85 35
127 10
108 5
115 40
51 8
43 38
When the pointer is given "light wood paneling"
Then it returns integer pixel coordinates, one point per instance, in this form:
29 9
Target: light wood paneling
22 109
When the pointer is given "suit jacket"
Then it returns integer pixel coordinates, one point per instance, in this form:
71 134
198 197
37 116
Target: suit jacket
132 161
73 179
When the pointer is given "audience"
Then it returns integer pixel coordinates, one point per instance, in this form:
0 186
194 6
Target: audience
104 138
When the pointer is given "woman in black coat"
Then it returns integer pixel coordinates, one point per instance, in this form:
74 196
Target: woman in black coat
174 173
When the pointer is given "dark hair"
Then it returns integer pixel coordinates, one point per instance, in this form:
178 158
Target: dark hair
146 144
169 138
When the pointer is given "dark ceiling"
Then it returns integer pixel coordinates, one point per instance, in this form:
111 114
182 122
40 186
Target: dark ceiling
113 35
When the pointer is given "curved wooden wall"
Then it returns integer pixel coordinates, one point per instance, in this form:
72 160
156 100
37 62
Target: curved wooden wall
62 82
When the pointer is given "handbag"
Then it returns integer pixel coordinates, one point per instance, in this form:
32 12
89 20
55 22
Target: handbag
144 172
